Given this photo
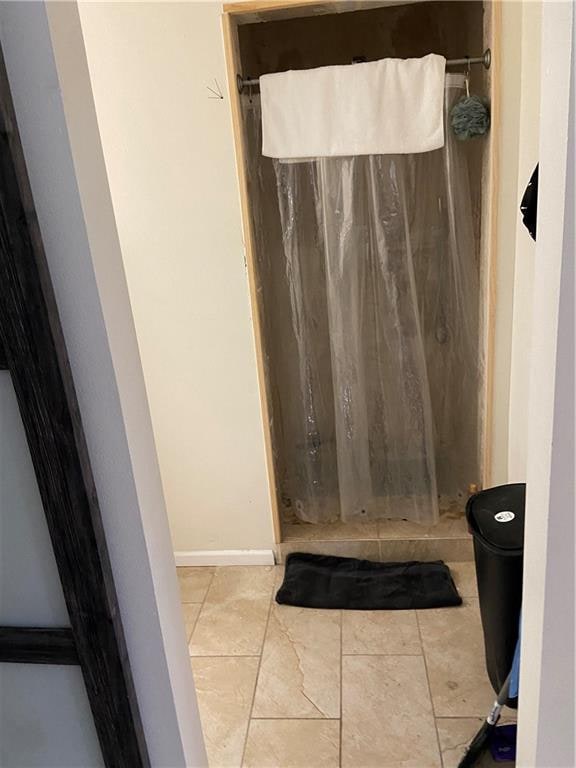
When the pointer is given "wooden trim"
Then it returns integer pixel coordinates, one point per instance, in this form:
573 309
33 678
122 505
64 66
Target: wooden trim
230 30
36 353
36 645
238 9
490 239
254 12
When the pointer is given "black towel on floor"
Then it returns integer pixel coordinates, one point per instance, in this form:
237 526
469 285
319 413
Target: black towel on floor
323 581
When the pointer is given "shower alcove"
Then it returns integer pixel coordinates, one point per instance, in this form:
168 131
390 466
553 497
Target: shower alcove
318 336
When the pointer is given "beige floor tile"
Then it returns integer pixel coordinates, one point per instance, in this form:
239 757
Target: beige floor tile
225 687
190 612
194 583
454 649
329 531
455 734
293 744
380 632
300 671
233 618
464 575
279 576
387 719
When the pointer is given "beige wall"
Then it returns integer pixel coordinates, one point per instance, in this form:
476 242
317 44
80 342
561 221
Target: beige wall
518 150
524 245
169 156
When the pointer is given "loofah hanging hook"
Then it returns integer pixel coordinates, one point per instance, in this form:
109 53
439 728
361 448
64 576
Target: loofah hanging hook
470 116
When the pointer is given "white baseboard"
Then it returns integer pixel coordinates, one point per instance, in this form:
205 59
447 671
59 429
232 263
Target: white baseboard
225 557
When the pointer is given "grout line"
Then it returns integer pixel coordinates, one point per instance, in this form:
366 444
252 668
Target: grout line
318 719
429 688
461 717
202 604
193 627
389 539
383 653
272 593
386 656
183 603
208 589
225 656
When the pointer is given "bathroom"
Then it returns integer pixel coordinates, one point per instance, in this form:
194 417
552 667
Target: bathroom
237 483
311 358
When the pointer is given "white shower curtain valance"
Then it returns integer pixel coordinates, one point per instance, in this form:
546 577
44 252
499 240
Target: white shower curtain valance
391 106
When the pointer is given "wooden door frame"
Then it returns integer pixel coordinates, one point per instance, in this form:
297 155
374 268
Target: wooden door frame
236 14
489 237
34 352
230 20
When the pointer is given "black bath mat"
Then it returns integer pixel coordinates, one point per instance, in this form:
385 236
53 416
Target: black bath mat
323 581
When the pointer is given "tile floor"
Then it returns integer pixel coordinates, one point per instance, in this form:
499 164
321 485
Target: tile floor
283 687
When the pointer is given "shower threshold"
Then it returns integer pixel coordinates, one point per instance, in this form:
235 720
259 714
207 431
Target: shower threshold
385 540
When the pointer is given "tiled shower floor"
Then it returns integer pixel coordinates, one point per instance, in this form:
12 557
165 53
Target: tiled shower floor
451 524
283 687
386 540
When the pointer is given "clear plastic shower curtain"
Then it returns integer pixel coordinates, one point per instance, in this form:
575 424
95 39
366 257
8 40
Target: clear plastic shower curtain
369 282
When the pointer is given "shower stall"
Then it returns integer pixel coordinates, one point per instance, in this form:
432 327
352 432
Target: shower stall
368 280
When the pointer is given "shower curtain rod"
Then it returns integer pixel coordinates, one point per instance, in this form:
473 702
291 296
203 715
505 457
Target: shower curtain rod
485 59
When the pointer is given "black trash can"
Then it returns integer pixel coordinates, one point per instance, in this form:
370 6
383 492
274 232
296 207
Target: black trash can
496 521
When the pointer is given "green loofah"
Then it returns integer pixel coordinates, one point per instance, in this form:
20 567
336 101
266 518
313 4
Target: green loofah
469 117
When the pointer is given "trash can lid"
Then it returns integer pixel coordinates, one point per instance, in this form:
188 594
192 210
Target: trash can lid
497 516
